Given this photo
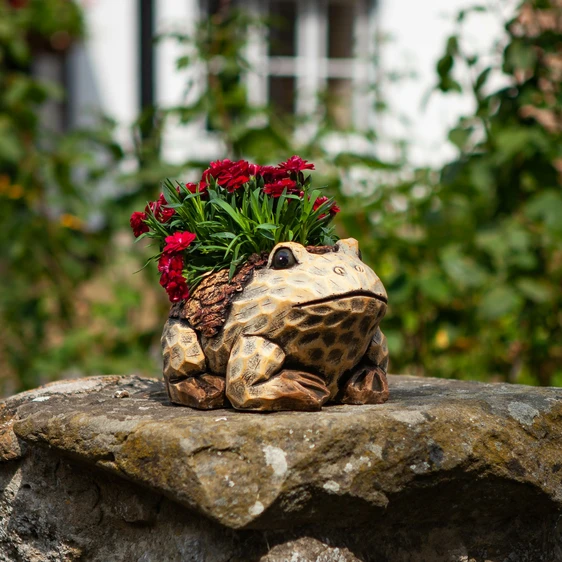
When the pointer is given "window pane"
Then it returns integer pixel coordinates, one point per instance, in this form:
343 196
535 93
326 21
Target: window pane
282 94
283 17
340 30
339 102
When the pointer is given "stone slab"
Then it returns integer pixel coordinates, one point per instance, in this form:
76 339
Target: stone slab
436 446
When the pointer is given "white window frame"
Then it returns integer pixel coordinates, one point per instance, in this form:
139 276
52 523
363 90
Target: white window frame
311 66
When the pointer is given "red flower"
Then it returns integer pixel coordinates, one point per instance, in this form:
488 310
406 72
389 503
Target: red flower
235 176
334 209
254 169
178 242
296 164
276 189
216 168
159 211
137 223
192 187
177 290
172 279
271 174
230 175
170 266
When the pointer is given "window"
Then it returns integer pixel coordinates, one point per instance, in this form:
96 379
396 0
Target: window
314 52
315 57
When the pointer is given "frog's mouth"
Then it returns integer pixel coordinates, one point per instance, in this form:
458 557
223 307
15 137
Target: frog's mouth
358 293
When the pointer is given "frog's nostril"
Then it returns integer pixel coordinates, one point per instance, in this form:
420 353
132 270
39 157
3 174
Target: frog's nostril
359 268
339 270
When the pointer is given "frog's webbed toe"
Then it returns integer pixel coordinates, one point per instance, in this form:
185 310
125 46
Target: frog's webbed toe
204 392
367 383
186 381
256 380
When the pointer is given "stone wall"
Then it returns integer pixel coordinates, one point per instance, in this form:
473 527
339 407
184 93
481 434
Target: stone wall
106 469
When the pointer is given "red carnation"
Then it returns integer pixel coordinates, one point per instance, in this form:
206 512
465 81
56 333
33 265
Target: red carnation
137 223
254 169
235 176
334 209
170 266
271 174
202 186
178 242
215 168
159 210
171 278
177 290
296 164
230 175
276 189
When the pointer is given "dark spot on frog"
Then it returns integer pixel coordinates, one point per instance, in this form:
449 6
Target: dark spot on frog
305 339
323 310
312 321
345 337
366 323
515 467
347 324
335 355
436 455
295 314
556 467
329 338
316 354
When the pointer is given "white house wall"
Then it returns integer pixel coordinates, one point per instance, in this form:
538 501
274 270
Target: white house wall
105 73
104 70
417 33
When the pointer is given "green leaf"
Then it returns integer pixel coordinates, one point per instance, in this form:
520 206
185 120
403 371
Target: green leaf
538 291
433 285
459 136
452 47
547 207
500 301
462 269
482 77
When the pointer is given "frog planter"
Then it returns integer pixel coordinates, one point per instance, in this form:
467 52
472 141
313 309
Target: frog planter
291 331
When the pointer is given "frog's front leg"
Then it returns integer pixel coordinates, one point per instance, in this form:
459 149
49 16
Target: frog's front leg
367 383
255 379
187 382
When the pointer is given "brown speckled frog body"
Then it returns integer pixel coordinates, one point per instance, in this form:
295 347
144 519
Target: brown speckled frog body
303 330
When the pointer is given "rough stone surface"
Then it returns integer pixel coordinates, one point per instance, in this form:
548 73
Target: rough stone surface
106 469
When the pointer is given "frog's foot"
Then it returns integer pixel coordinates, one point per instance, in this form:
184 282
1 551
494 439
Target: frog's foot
186 381
255 380
367 385
204 392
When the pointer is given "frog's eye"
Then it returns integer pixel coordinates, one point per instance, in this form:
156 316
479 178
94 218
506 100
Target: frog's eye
283 259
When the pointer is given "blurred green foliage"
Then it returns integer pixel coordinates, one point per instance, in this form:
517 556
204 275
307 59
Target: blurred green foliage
471 254
51 243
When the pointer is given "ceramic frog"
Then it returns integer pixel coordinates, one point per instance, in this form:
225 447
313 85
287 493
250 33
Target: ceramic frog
301 329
